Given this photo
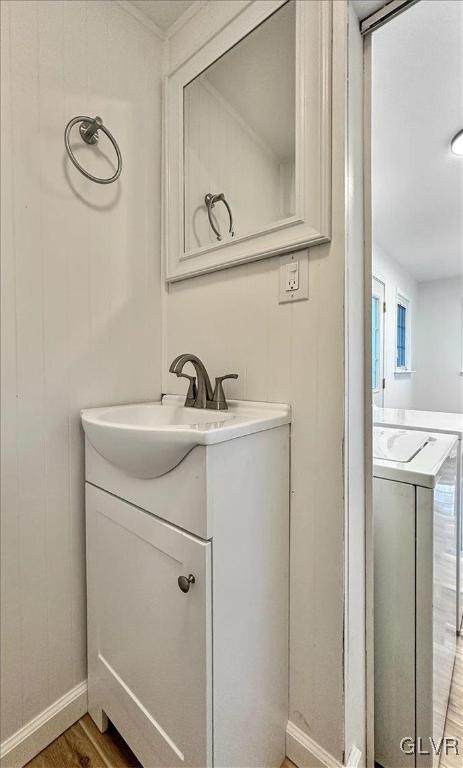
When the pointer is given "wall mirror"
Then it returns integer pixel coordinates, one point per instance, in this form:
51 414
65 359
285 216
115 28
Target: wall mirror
239 136
247 140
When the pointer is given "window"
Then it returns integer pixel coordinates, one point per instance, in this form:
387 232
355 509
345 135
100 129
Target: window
403 334
376 342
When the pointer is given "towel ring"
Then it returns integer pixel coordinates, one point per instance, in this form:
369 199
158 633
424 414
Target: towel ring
89 132
210 201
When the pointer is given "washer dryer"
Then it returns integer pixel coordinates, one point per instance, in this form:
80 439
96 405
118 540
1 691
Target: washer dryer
414 502
442 423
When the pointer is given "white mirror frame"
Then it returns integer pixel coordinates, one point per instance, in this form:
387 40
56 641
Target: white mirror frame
312 222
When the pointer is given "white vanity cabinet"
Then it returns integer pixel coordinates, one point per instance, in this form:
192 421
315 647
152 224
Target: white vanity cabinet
196 678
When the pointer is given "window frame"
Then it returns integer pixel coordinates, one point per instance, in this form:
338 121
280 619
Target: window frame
404 301
376 389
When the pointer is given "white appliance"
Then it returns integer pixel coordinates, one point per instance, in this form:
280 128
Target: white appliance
414 497
442 423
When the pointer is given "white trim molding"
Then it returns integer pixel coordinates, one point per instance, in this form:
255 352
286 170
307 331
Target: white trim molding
143 18
305 752
355 758
38 733
150 24
186 16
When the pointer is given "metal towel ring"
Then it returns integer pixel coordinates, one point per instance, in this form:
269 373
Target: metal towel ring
89 132
210 201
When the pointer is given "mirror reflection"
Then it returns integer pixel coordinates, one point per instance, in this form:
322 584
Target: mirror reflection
239 137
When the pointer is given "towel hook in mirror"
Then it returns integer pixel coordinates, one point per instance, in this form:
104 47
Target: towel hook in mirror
210 201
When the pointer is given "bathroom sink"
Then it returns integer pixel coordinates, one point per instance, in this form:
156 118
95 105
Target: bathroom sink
147 440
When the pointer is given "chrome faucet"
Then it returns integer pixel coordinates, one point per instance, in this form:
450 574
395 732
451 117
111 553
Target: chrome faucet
200 394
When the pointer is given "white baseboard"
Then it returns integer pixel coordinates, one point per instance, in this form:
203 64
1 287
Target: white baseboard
305 752
355 758
26 743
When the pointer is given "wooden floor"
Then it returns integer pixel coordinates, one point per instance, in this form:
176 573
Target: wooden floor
454 724
83 746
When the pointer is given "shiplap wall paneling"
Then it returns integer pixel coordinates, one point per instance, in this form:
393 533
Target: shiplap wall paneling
81 311
295 354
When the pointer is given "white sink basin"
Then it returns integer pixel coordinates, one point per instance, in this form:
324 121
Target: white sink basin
147 440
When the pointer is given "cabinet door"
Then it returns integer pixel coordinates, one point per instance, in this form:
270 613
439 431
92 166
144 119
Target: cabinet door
149 642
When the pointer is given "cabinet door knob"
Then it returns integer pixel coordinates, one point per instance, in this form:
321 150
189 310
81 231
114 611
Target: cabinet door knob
185 581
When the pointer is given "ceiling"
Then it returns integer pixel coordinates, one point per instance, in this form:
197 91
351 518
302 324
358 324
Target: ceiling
417 106
364 8
163 12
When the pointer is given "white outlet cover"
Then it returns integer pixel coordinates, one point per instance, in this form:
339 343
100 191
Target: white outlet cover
302 293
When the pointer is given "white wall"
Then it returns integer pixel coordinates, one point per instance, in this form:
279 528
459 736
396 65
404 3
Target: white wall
81 312
439 346
295 354
436 383
399 392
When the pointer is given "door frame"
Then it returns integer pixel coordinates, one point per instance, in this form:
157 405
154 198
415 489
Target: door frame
387 12
368 414
380 280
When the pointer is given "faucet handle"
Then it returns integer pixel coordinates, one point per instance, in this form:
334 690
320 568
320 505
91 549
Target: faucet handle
192 390
219 401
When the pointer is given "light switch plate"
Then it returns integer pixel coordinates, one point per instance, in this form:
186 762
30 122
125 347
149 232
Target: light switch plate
289 295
